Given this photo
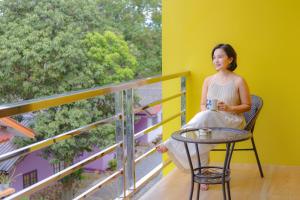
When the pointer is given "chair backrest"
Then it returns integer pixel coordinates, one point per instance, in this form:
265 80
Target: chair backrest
252 114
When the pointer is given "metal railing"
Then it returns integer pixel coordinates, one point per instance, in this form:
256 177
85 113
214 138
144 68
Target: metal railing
124 119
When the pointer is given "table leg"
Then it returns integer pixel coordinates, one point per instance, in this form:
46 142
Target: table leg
229 151
192 188
230 155
199 171
192 171
226 165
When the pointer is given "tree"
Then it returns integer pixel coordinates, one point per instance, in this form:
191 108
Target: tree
54 46
140 23
44 35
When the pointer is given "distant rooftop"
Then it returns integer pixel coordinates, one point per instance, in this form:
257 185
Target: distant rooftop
149 93
17 127
9 128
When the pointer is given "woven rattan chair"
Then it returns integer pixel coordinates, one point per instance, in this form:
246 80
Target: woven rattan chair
251 117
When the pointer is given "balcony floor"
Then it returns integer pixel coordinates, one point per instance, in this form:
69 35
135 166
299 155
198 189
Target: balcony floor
280 182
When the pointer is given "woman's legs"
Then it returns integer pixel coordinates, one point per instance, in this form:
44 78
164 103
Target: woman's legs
176 150
201 119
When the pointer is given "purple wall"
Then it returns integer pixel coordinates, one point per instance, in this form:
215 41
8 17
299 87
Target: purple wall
145 122
29 163
44 169
100 164
140 125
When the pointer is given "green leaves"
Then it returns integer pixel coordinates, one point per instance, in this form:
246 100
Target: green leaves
109 54
41 46
139 21
45 40
53 46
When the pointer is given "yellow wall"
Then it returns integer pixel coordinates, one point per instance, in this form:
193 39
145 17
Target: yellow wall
266 36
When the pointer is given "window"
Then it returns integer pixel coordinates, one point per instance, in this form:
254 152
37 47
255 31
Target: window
30 178
57 167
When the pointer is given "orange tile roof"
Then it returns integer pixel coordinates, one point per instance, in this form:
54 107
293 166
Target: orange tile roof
150 111
154 110
5 137
17 126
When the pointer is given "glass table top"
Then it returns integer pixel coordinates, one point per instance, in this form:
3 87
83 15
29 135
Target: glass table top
211 135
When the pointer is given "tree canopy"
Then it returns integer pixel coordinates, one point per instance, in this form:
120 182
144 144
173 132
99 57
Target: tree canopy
43 48
139 21
54 46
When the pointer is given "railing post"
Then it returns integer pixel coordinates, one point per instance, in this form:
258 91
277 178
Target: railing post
183 100
129 139
120 137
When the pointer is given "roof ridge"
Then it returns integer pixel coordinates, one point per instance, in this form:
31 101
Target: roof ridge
18 126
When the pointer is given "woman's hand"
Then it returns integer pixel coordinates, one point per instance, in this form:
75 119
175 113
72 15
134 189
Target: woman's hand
223 107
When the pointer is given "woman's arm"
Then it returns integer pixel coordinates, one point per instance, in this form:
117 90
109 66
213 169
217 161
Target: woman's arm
244 97
204 94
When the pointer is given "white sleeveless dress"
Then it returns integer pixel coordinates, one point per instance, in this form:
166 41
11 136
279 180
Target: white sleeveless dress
229 94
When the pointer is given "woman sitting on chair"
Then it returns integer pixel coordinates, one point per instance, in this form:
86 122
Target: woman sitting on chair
233 97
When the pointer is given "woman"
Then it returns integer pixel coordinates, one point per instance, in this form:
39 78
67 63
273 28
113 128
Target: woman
233 97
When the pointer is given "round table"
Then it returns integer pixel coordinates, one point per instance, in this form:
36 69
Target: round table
211 174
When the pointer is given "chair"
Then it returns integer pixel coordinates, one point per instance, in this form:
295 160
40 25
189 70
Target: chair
250 118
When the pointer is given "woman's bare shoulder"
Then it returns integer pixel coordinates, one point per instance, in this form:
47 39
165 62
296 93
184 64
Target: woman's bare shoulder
238 79
208 79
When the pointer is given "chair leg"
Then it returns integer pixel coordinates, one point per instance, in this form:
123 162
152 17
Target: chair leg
257 158
224 191
228 190
192 189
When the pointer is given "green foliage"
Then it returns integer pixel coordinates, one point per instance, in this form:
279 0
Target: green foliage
41 42
108 61
4 178
112 164
109 54
40 49
54 46
139 21
76 175
49 47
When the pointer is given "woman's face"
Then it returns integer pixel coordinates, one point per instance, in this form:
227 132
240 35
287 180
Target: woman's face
221 60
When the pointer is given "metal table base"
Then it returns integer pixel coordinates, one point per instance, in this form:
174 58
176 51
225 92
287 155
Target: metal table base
211 174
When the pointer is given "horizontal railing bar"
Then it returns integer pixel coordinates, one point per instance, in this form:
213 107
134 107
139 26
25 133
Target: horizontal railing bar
146 179
99 185
147 130
56 100
138 109
37 186
140 158
45 143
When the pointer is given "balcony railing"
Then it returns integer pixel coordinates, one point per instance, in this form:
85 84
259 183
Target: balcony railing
124 120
